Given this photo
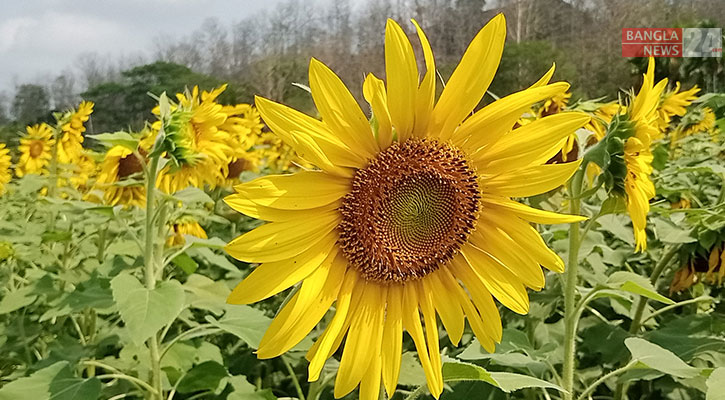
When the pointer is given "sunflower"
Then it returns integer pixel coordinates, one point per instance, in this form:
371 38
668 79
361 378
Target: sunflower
5 164
200 131
116 178
638 185
241 161
410 215
704 121
709 269
35 150
70 145
185 226
675 103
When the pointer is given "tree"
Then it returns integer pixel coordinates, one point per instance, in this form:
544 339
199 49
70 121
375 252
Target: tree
31 104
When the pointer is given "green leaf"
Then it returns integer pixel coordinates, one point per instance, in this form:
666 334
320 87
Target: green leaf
116 139
509 382
186 263
66 386
146 311
506 381
244 322
17 299
668 232
35 386
192 195
716 385
453 372
637 284
243 390
205 376
657 358
206 293
56 236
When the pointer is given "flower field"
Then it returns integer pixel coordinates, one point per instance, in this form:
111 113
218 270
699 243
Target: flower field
434 241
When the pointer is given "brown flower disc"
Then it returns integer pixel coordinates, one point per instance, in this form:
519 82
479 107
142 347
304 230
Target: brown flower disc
409 211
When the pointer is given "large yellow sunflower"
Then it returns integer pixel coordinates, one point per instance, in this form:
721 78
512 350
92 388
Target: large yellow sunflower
638 157
36 149
186 225
118 168
5 164
413 218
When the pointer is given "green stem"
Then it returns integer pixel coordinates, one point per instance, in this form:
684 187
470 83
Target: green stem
131 379
53 185
642 301
150 273
676 305
295 381
570 291
599 381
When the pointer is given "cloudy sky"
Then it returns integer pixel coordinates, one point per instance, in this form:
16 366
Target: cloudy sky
42 37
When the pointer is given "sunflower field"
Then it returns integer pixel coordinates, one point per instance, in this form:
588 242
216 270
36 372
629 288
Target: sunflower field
437 241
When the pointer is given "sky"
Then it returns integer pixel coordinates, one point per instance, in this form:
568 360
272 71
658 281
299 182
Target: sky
41 38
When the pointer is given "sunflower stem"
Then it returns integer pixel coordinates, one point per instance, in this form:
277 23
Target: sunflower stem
417 392
293 376
150 273
570 291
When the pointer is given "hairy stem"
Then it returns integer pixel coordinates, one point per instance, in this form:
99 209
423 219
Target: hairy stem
150 273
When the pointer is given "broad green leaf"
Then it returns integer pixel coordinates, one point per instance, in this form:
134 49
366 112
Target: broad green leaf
243 390
186 263
716 385
207 294
146 311
244 322
35 386
506 381
205 376
116 139
637 284
655 357
453 372
192 195
17 299
66 386
668 232
217 260
56 236
509 382
411 372
616 225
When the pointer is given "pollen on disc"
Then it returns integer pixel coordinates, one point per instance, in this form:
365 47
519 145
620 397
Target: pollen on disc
408 211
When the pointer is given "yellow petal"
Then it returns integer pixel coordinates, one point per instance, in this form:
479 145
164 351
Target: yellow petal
502 284
340 111
309 150
525 234
271 278
425 300
544 80
447 306
326 344
529 181
474 319
480 295
529 213
287 123
299 191
493 240
374 93
411 323
531 144
247 207
401 74
277 241
496 119
363 341
392 348
370 384
301 314
427 90
470 79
